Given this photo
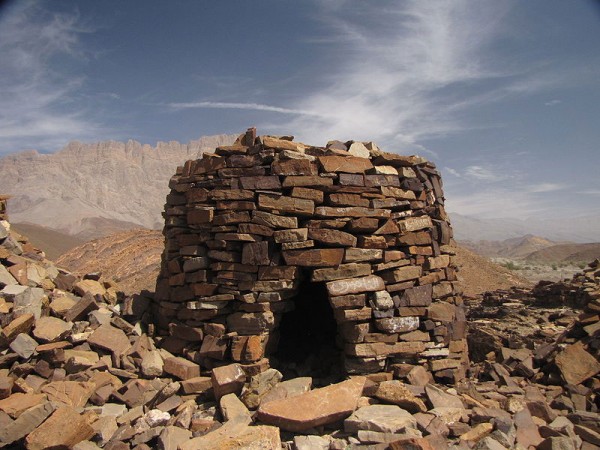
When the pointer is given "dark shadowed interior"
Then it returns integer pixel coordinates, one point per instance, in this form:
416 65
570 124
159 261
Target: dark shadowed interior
307 337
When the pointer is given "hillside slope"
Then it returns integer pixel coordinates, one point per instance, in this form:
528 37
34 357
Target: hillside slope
568 253
131 257
514 248
52 243
478 274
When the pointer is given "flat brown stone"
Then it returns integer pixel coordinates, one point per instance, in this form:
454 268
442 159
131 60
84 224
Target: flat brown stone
325 257
383 349
575 364
63 429
351 211
314 408
348 200
402 274
281 203
110 338
69 393
306 180
351 270
266 182
415 224
181 368
396 192
274 220
200 216
332 237
294 167
49 329
346 164
19 402
228 379
395 392
21 324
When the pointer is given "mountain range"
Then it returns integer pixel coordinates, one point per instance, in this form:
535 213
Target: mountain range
572 229
92 190
535 249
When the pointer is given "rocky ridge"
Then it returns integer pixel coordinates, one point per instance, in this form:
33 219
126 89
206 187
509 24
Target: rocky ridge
87 189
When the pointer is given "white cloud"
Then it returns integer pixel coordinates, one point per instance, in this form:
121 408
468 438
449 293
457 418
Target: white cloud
484 174
452 171
553 102
492 203
545 187
247 106
399 61
35 100
590 192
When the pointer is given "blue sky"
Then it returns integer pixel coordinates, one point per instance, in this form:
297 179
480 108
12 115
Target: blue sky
504 96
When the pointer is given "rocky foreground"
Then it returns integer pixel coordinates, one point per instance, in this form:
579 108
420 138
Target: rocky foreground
79 369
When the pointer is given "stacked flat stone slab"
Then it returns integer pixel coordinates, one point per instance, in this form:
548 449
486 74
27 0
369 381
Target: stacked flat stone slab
3 213
247 224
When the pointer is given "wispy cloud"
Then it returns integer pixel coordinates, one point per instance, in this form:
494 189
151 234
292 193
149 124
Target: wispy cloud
590 192
492 203
247 106
553 102
35 101
452 171
545 187
400 60
484 174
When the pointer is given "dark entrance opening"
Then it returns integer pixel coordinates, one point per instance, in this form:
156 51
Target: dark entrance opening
308 338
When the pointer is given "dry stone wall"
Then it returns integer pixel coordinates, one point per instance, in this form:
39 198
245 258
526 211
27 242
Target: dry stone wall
246 225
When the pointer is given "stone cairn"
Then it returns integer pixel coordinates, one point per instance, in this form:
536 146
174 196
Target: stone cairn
247 224
3 200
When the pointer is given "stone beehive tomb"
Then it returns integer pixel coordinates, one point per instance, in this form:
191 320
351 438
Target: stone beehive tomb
271 244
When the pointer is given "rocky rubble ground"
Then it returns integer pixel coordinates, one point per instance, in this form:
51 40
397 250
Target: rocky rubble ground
79 369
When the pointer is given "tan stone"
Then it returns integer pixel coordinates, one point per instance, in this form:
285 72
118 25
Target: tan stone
340 272
281 203
281 144
415 224
63 429
227 380
351 211
21 324
274 220
395 192
395 392
92 286
402 274
236 435
49 329
383 349
335 238
346 164
69 393
294 167
317 407
326 257
576 364
110 338
196 385
19 402
306 180
181 368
